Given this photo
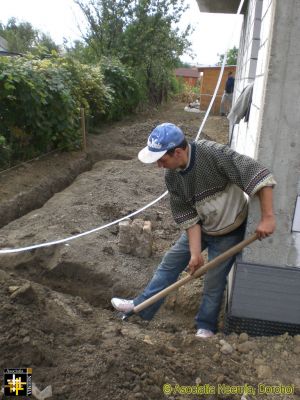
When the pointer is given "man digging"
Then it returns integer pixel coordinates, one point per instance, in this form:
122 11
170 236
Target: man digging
207 183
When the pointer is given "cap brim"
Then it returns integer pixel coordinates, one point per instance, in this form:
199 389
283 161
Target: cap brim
148 157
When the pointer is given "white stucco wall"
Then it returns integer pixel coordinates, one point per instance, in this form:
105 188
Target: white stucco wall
272 133
253 67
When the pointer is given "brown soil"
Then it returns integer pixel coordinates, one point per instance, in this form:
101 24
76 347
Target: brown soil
55 301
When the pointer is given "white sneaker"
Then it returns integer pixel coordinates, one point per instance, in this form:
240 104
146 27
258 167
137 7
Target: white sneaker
204 333
122 305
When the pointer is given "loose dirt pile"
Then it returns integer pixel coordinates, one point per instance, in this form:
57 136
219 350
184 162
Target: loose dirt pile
55 302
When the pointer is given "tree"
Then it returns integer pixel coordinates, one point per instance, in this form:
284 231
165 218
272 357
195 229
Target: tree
22 37
231 58
106 23
142 35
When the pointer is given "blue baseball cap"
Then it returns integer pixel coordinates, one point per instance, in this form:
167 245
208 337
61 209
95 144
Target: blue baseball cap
164 137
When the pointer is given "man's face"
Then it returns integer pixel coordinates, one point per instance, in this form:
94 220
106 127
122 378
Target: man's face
170 161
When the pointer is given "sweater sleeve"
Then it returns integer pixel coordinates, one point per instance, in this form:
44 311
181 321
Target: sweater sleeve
183 211
242 170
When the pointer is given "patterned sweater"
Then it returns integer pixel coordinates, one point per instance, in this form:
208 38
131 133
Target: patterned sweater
211 190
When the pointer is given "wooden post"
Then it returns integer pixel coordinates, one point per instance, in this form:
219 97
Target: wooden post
82 117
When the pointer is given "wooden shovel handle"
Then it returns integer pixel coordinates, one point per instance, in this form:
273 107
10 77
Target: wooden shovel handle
201 271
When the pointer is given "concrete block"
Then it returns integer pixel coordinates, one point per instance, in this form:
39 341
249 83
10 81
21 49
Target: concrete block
252 68
255 48
141 238
256 29
136 238
258 9
258 91
124 236
267 22
267 4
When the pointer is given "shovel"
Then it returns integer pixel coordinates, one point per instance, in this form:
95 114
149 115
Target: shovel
201 271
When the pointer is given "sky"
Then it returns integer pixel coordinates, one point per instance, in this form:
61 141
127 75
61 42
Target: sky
213 33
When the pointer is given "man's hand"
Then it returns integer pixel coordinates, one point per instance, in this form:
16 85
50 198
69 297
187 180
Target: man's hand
266 227
195 263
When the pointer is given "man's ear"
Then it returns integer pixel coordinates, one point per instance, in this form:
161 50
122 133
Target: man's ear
178 151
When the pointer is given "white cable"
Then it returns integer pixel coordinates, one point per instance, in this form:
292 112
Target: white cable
220 76
68 239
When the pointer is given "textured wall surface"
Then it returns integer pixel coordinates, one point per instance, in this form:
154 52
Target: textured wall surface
270 58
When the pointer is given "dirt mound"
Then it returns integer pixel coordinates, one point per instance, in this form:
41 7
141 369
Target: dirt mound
55 307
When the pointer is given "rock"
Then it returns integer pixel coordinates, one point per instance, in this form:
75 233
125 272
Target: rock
26 340
12 289
243 337
233 336
23 332
147 340
297 385
258 361
245 347
277 346
216 357
85 309
198 380
226 348
24 294
3 276
136 389
297 338
282 338
188 340
264 372
285 354
297 350
171 349
75 231
220 378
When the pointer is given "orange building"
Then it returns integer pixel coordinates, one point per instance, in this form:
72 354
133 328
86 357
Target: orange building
189 75
208 80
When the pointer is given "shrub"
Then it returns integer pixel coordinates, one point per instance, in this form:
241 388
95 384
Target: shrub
40 101
125 91
38 111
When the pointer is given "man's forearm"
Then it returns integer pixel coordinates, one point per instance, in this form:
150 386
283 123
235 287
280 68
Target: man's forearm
266 201
194 236
267 223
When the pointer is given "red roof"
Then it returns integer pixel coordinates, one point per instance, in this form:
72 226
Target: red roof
187 72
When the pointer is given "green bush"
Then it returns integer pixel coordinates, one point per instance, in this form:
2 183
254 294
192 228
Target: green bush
38 111
40 102
88 87
125 91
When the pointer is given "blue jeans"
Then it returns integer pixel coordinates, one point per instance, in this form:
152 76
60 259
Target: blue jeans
177 259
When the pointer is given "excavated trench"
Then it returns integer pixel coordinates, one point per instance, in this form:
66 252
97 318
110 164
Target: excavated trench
92 268
55 313
53 174
65 194
70 278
